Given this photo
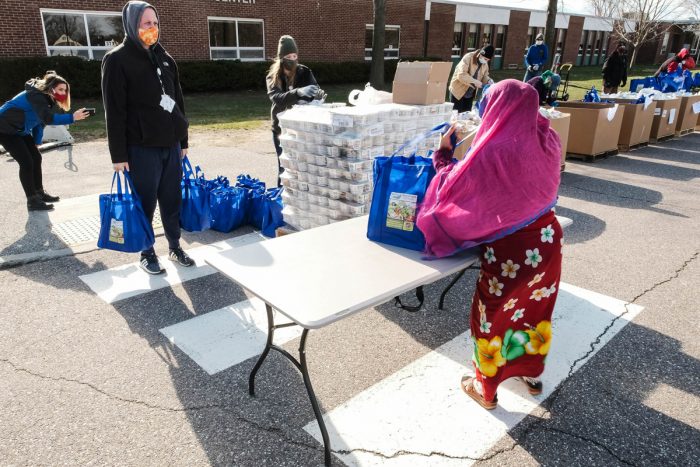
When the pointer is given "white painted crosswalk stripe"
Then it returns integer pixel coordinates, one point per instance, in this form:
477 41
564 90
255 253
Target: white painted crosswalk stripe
421 408
223 338
126 281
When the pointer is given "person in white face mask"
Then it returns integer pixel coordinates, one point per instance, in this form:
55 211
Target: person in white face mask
536 58
471 74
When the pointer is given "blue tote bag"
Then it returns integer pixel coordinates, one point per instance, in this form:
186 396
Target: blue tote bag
194 214
255 199
227 208
272 212
123 224
400 184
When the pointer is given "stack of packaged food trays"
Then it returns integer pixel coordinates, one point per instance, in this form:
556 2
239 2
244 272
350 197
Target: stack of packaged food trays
328 155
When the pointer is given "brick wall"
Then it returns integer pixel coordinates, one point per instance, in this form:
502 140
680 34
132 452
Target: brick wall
328 30
516 39
441 30
573 39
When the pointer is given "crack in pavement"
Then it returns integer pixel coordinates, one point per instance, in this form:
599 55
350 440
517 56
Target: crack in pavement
270 429
552 399
590 441
282 435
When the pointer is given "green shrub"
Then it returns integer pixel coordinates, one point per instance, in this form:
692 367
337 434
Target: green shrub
195 76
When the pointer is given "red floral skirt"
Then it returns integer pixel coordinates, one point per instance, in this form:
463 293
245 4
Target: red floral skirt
512 307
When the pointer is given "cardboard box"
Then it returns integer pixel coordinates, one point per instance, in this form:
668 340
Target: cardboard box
665 118
636 122
594 128
688 117
561 126
421 83
461 150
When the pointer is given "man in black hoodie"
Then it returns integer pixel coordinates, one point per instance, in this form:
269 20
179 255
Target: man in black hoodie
615 70
146 124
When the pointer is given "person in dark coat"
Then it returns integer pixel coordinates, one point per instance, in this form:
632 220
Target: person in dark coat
44 101
536 58
146 124
288 83
546 86
615 70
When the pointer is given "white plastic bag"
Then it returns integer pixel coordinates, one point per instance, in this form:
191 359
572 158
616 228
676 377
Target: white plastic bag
369 96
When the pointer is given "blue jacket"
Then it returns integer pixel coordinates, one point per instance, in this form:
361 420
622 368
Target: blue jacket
28 112
536 55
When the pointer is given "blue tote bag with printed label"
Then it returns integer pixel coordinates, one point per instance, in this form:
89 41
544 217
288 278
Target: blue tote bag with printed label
123 224
400 183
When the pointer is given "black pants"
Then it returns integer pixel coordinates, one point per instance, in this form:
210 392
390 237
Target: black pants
24 151
278 150
462 105
157 173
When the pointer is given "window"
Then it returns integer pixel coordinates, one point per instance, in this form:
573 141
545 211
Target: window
596 43
500 42
472 38
88 35
589 42
457 38
391 41
236 39
486 35
664 44
561 39
606 39
582 44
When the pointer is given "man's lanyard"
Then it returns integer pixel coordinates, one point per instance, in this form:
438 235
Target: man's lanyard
166 102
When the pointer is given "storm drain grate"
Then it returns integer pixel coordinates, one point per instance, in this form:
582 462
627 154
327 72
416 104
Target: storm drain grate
87 229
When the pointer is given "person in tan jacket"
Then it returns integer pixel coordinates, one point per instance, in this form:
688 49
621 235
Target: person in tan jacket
470 75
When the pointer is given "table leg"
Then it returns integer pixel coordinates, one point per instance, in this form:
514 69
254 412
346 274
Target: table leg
263 356
312 397
301 366
447 289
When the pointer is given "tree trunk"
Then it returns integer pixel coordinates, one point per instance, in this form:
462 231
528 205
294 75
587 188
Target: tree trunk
633 58
376 74
550 33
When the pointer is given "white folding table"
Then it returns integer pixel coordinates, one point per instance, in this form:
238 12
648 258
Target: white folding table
320 276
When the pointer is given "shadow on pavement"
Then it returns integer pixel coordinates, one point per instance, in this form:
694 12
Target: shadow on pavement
232 427
619 395
620 163
612 193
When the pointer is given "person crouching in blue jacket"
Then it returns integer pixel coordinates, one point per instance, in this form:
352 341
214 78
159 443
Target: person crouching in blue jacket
536 58
44 101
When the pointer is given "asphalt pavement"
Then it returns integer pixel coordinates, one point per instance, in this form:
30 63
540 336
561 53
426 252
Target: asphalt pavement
87 381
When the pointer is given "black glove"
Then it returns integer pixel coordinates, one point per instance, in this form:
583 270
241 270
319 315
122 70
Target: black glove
623 84
308 92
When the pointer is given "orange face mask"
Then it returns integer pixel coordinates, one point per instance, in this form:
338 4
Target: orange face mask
149 36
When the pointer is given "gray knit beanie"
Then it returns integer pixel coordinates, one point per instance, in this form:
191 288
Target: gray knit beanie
286 46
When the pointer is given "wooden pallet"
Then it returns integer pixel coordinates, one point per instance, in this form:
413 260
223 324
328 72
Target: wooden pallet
662 139
687 131
563 166
625 148
592 157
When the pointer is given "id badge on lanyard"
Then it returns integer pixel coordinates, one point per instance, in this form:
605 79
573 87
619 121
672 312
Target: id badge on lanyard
166 101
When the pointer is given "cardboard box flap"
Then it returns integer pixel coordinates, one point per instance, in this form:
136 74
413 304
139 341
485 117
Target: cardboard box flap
422 72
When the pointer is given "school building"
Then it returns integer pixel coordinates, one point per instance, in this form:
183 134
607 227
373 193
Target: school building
326 30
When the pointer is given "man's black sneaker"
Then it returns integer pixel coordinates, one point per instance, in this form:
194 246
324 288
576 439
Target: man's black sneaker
150 264
47 198
178 254
35 203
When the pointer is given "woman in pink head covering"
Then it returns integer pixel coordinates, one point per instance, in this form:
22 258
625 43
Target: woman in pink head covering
501 198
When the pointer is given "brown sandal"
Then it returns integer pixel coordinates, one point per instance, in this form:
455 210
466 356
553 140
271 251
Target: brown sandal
534 389
467 385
